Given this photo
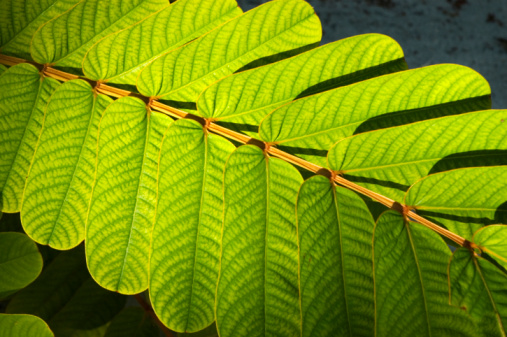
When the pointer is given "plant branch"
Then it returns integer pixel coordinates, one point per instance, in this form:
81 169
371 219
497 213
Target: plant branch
149 310
268 148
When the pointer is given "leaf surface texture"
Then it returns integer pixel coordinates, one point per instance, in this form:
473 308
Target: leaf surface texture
335 232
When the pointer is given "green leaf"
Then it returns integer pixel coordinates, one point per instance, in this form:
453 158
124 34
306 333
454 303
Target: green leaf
66 297
388 161
310 126
462 200
2 69
130 50
23 325
59 183
335 260
491 240
122 208
411 291
19 20
478 287
23 99
132 322
243 99
20 262
185 250
257 292
210 331
270 30
64 40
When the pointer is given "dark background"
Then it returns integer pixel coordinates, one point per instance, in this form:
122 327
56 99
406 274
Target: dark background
467 32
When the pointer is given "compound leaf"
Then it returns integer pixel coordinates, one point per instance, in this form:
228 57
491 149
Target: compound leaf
335 232
257 292
186 237
23 100
59 183
411 291
308 127
122 209
388 161
478 287
491 240
20 262
243 99
130 50
23 325
19 20
270 30
64 40
462 200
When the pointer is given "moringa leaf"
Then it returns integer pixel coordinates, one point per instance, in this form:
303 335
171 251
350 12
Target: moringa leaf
20 262
257 292
132 322
59 183
335 232
19 20
122 207
477 286
462 200
491 240
243 99
185 250
308 127
131 49
22 103
410 272
64 40
270 30
23 325
388 161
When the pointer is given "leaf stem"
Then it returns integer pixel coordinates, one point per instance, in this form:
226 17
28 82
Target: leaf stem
268 148
149 310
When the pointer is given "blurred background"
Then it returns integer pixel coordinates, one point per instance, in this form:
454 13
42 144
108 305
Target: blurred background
467 32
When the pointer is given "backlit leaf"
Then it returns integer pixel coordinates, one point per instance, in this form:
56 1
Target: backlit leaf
243 99
23 100
65 39
122 209
270 30
59 183
257 293
410 273
19 20
491 240
388 161
335 232
310 126
131 49
186 236
462 200
478 287
20 262
23 325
